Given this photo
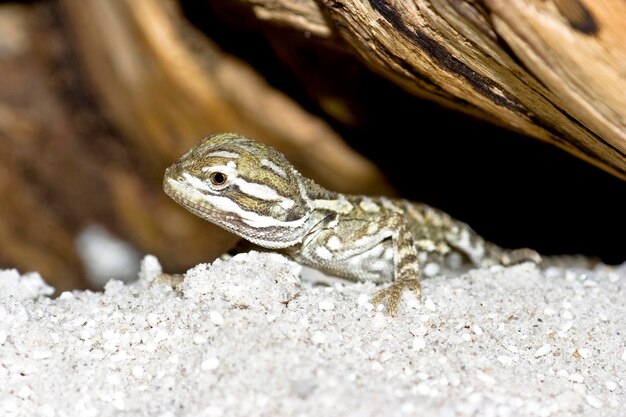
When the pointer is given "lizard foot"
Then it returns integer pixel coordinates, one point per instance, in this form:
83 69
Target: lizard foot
173 280
393 293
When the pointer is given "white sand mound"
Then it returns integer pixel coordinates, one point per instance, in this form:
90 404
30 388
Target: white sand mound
245 338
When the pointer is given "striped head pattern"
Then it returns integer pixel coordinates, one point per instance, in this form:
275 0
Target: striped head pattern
244 186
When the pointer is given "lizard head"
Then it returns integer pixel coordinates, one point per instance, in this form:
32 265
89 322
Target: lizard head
244 186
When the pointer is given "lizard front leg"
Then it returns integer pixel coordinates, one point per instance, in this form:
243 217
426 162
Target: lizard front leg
405 263
333 247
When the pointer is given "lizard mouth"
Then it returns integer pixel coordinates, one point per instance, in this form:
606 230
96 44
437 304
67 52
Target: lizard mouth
262 233
200 209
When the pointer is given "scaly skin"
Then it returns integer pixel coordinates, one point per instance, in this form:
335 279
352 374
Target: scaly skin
251 190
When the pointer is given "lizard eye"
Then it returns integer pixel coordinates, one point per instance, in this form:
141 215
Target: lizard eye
217 178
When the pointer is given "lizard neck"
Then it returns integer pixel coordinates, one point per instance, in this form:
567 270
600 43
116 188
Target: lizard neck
324 203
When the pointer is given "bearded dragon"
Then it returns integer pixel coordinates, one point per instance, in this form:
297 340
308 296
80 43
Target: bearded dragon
251 190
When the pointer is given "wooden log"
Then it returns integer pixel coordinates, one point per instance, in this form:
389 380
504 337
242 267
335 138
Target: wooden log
88 144
166 86
554 70
42 169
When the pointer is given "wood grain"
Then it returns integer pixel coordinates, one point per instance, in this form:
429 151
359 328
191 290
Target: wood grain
554 70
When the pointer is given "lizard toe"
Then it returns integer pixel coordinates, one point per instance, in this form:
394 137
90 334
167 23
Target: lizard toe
393 294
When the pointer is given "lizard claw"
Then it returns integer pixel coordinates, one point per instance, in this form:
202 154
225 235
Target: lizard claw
393 294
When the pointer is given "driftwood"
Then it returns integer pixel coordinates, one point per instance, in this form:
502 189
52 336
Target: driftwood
35 142
91 145
169 86
554 70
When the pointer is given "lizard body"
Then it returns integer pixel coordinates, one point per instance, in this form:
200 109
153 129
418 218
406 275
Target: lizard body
251 190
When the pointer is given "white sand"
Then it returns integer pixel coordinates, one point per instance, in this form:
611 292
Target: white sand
246 338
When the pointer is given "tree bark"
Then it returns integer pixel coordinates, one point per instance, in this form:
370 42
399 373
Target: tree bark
554 70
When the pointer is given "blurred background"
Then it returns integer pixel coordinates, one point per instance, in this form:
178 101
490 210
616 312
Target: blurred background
97 98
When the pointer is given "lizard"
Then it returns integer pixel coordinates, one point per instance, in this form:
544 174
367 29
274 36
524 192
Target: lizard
252 190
